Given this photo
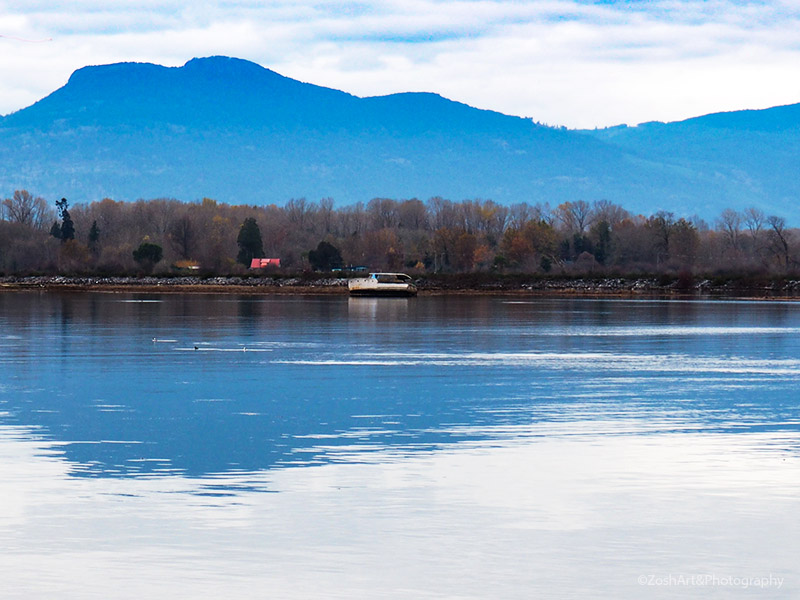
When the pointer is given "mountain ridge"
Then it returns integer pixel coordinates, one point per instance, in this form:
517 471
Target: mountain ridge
230 129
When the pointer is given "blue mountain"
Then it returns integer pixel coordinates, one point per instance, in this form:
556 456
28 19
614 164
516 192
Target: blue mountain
232 130
741 158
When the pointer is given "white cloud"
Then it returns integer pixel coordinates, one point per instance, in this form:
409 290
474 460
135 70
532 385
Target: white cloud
575 63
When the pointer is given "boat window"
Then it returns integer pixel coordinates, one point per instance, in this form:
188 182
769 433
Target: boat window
391 277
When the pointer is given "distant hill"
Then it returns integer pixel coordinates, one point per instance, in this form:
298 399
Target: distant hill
231 130
743 158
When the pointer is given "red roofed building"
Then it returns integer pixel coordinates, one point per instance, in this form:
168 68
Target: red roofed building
263 263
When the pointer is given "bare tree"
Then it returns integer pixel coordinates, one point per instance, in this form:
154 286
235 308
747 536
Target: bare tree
730 225
162 213
353 219
683 243
543 212
576 216
605 210
326 215
182 236
779 243
25 209
494 218
411 214
382 213
632 243
754 220
519 215
661 225
299 211
442 214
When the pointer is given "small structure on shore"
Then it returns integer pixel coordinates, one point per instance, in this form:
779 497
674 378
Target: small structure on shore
264 263
186 266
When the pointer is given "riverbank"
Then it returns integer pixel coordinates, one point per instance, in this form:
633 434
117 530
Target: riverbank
252 285
478 284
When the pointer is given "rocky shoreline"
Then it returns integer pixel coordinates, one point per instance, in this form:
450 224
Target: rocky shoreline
438 284
175 284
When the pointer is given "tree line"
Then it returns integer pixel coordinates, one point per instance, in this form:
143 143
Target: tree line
435 236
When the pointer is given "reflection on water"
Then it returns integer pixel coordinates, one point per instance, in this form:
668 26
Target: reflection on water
425 447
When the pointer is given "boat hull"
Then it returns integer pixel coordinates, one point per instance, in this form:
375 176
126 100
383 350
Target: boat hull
376 293
383 284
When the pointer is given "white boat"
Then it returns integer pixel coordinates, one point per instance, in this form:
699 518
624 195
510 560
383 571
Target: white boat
383 284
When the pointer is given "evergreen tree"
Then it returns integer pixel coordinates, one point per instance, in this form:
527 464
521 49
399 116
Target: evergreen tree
603 231
249 240
147 255
325 257
94 237
67 227
55 230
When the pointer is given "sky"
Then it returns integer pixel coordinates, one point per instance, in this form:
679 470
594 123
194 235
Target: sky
573 63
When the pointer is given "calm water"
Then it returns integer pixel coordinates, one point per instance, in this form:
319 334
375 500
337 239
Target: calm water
170 446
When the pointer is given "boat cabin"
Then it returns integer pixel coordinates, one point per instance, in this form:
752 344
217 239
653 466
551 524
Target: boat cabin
391 277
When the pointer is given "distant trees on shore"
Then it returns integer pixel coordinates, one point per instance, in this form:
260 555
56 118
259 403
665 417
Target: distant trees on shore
437 235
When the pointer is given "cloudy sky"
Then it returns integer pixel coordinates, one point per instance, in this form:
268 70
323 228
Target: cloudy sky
577 63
